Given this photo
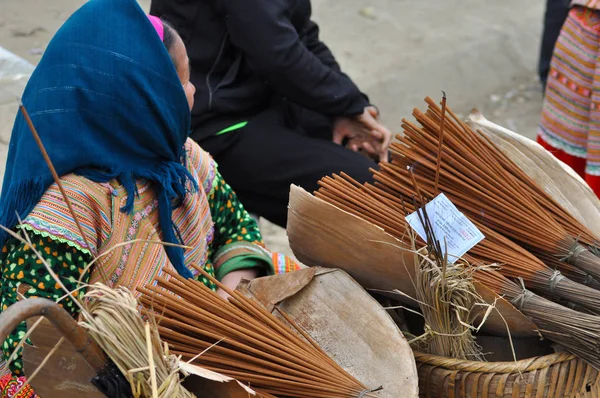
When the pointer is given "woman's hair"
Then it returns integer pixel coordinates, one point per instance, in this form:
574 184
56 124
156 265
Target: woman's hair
169 38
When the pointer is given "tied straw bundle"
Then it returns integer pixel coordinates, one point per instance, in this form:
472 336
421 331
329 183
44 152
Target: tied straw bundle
254 346
114 322
448 300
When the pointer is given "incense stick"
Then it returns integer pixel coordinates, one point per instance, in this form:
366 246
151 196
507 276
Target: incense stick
440 146
55 175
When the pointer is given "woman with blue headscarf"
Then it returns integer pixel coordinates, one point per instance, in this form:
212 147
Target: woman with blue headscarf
111 101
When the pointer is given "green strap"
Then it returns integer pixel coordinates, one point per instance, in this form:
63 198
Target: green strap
245 262
232 128
241 255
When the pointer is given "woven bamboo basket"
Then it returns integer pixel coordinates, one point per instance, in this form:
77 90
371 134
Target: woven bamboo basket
560 375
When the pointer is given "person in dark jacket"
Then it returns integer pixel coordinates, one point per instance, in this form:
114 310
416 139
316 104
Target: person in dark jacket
554 18
272 105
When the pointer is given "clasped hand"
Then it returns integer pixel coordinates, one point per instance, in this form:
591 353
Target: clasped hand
364 133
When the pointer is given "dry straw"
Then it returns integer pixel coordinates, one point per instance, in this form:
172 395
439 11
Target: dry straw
450 306
114 322
446 295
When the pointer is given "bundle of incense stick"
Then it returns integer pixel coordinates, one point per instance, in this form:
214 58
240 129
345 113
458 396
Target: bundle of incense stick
384 206
562 216
239 338
393 180
576 331
475 180
527 184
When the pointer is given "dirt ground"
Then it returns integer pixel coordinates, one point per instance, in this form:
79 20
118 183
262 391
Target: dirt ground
487 56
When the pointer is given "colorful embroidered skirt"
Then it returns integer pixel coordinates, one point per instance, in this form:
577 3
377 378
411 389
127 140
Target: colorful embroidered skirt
570 124
9 386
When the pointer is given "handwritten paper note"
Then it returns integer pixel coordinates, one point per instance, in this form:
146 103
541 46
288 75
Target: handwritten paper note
449 225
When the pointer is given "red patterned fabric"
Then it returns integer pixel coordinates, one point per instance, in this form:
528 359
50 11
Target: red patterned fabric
9 385
570 121
283 264
577 164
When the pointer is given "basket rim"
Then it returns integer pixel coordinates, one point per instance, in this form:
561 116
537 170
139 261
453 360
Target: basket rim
524 365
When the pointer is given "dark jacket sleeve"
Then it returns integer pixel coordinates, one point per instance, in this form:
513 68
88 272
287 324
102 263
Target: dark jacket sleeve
318 48
273 49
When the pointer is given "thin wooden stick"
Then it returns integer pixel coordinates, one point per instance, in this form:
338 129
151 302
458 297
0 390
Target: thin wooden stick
440 145
38 140
57 180
151 361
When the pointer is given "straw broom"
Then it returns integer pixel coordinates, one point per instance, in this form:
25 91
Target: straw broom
383 205
256 348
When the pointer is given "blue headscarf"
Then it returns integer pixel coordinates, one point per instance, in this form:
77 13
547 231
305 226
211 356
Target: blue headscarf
107 103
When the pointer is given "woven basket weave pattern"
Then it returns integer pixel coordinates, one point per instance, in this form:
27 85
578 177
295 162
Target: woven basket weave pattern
560 375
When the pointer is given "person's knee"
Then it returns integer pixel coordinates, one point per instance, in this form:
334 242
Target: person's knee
356 166
363 172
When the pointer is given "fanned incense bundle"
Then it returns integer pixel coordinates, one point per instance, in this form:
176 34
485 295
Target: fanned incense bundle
392 180
576 331
243 340
383 205
474 179
558 212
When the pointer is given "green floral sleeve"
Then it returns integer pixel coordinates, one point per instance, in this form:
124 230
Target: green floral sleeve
237 242
232 221
23 273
